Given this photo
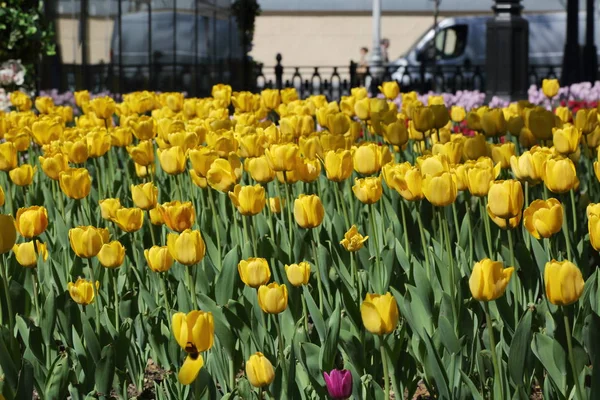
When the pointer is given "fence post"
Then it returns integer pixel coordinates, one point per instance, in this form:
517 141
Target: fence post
279 72
353 77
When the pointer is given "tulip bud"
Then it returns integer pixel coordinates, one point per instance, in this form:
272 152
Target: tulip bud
75 183
273 298
379 313
308 211
259 169
145 196
369 158
109 207
188 247
550 87
194 332
22 175
82 291
298 274
566 140
339 384
594 230
338 165
489 280
543 218
54 165
564 282
423 119
560 175
540 122
259 370
501 153
27 254
475 147
564 113
457 114
8 156
158 258
254 272
8 233
86 241
129 219
440 190
353 240
31 221
143 153
103 107
479 179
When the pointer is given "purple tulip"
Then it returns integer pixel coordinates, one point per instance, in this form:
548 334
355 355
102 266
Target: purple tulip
339 383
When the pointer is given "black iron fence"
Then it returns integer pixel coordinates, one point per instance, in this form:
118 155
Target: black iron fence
336 81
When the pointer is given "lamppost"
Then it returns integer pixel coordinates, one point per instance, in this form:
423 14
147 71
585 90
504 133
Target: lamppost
507 52
376 61
590 57
571 66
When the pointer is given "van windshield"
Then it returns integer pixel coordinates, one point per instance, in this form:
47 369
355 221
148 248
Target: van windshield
417 42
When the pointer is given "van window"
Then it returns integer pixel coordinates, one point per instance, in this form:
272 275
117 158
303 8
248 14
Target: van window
451 42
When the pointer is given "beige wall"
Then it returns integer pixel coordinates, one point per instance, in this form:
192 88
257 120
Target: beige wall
100 31
312 40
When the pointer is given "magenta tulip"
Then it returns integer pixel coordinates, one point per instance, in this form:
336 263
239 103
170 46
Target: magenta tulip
339 383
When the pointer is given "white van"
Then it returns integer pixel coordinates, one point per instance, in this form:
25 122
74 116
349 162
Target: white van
460 41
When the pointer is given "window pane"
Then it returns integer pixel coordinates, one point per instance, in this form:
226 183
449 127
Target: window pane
450 43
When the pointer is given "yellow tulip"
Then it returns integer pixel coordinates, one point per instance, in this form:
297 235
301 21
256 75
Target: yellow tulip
46 130
201 159
222 92
379 313
396 133
27 254
22 175
353 240
2 196
249 200
158 258
222 175
515 124
82 291
560 175
433 165
121 137
566 140
441 116
8 233
188 248
529 166
109 207
54 165
259 370
276 204
489 279
458 114
550 87
282 157
86 241
81 97
129 219
564 282
31 221
20 100
453 151
75 183
586 120
103 107
368 190
310 146
178 216
338 165
298 274
254 272
390 89
259 169
369 158
475 147
594 230
76 151
145 196
111 254
98 143
479 179
270 99
21 137
540 122
143 153
440 190
564 113
501 153
172 160
308 211
156 217
543 218
505 198
223 144
144 127
8 156
195 333
273 298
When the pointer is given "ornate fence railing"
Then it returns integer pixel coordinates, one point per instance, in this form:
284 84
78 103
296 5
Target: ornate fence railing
336 81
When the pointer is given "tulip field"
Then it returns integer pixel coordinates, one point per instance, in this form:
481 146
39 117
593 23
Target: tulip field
263 246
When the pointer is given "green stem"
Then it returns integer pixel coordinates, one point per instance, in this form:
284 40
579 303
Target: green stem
151 228
468 216
386 373
317 266
304 313
525 236
495 360
574 211
163 284
217 226
231 374
11 316
565 229
9 196
36 303
179 184
486 223
96 296
452 271
406 242
116 291
514 282
424 243
98 177
191 286
252 235
341 198
379 272
571 356
456 226
289 213
281 355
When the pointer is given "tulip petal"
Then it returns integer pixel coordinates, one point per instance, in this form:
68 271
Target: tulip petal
190 369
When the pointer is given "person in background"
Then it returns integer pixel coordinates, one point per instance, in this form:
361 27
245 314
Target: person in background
363 63
385 44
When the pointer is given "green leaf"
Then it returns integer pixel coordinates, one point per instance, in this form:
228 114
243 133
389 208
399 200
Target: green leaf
519 349
447 335
474 391
329 349
434 367
105 370
553 358
57 382
315 314
48 320
25 389
91 340
228 277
